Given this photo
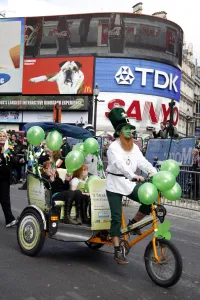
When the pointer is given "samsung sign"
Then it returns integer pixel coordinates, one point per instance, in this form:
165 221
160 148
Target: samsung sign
137 76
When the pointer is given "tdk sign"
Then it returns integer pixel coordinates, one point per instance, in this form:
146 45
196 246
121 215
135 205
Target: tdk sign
4 78
125 76
138 76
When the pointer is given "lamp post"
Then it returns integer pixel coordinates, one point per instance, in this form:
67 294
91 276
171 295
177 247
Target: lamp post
171 105
96 92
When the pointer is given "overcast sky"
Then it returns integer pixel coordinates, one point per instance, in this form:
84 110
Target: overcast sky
184 13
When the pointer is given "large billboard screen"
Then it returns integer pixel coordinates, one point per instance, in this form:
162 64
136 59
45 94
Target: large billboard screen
137 76
104 34
11 58
59 75
143 111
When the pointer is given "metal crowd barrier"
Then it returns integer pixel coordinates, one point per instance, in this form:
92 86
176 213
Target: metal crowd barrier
190 184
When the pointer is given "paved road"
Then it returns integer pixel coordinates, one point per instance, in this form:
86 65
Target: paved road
71 271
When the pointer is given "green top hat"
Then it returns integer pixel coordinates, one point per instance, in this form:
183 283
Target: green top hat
118 118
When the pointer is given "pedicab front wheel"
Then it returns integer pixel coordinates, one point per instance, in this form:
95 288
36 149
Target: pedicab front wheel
30 232
168 272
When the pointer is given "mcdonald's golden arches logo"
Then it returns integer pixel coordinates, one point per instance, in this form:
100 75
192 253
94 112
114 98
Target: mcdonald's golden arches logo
88 90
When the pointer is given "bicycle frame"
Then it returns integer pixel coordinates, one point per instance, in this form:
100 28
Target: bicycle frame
98 240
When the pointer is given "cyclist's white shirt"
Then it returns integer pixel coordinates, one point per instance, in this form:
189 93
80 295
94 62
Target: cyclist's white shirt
125 163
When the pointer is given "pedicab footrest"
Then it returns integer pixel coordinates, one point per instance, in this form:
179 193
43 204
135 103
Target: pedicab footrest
59 203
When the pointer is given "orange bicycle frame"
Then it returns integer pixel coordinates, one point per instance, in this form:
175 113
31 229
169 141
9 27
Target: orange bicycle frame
139 238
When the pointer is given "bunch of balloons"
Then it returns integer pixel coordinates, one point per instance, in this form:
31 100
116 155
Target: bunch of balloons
36 135
164 181
74 159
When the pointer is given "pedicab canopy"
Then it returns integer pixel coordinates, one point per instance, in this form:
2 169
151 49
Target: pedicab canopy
65 129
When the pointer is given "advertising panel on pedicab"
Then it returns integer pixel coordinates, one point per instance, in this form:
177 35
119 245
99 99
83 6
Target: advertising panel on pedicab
36 192
100 210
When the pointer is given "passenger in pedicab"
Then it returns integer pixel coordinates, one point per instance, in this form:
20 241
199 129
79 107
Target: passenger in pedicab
61 191
58 159
78 182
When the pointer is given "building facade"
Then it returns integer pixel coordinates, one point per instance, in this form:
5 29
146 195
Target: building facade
197 100
186 124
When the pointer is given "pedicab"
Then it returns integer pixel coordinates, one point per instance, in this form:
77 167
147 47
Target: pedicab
43 218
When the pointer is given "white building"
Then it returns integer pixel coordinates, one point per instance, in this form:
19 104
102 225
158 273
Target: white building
186 125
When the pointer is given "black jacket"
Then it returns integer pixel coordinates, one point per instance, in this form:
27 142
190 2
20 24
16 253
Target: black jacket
5 168
57 185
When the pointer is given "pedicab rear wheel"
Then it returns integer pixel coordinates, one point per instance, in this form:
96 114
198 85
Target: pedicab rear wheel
170 256
30 232
94 246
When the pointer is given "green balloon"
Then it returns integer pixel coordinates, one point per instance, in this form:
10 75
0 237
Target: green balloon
147 193
174 193
91 146
35 135
74 160
54 140
93 177
164 180
172 166
80 147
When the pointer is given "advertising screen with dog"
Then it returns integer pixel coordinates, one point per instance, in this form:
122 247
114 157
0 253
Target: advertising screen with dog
104 34
61 75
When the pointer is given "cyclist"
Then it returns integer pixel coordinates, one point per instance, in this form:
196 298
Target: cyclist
124 157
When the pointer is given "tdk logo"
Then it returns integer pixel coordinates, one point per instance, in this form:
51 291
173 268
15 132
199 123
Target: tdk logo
124 76
4 78
161 79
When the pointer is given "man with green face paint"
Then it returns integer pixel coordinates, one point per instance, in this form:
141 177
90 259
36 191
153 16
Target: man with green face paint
124 158
126 130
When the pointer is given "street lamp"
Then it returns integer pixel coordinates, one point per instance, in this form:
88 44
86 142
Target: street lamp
96 92
171 106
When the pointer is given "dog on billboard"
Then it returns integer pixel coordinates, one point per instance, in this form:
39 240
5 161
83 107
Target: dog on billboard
70 79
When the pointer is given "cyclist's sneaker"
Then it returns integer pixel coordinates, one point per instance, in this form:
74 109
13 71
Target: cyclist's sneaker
135 231
120 258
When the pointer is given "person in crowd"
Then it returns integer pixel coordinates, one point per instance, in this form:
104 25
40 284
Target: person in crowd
78 182
124 158
160 133
6 151
32 154
197 146
166 131
17 160
24 159
171 131
196 160
61 191
196 168
65 148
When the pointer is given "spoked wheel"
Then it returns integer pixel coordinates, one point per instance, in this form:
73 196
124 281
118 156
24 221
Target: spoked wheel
168 272
30 232
94 246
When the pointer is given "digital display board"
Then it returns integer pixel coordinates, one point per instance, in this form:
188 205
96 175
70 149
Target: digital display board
104 34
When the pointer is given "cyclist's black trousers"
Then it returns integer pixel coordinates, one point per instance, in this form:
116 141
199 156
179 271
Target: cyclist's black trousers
115 202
